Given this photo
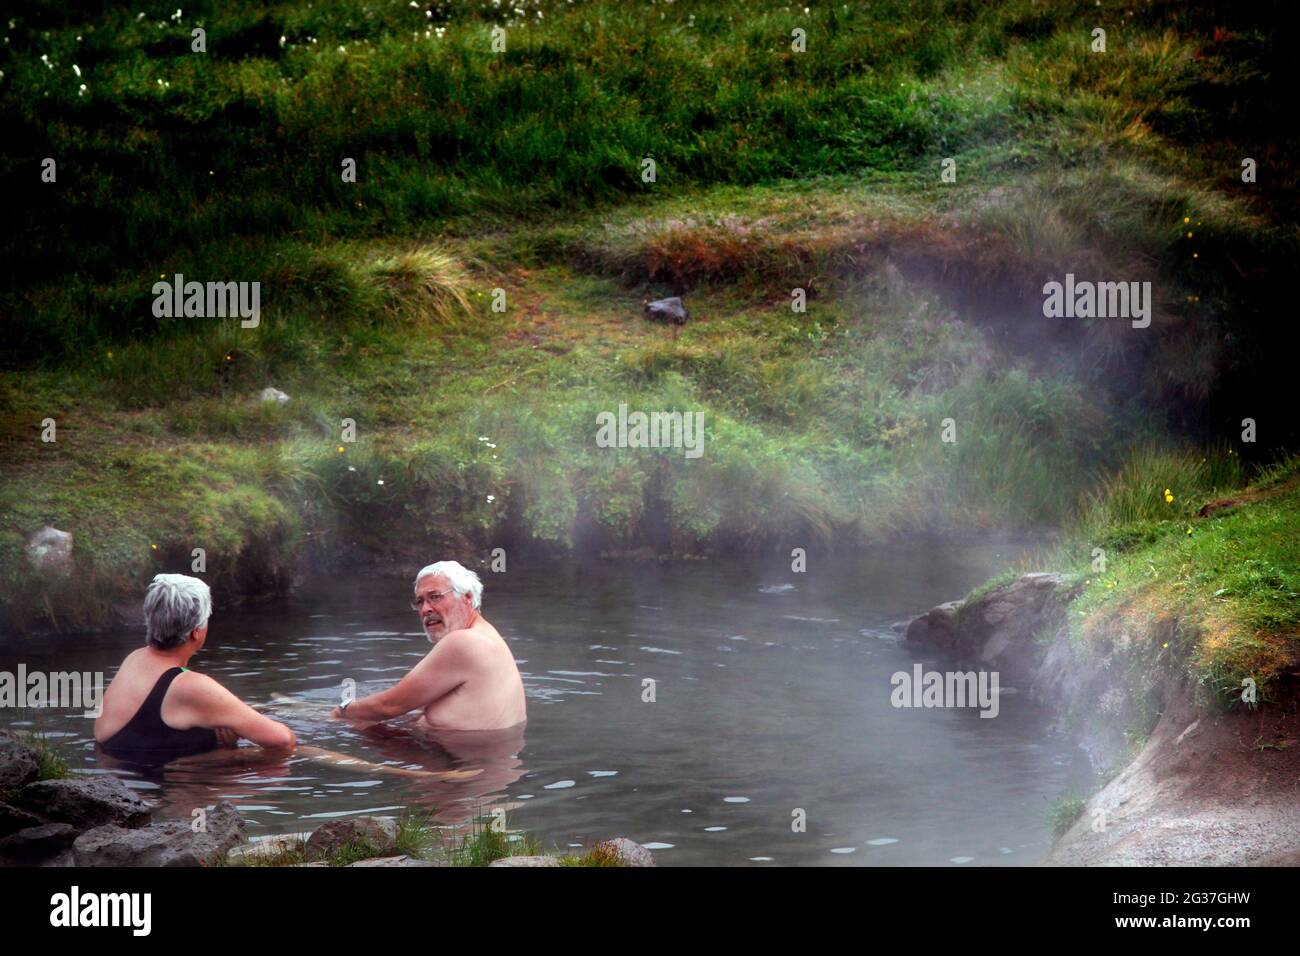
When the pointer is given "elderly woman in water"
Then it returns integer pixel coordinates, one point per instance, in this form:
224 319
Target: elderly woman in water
157 709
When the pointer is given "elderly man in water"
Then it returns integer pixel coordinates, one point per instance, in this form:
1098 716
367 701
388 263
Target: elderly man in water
469 680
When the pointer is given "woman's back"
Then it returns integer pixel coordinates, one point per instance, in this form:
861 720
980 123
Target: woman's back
145 718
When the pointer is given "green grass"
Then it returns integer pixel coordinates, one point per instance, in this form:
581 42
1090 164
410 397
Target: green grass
825 425
1218 595
197 162
1065 810
485 841
50 761
520 172
593 856
51 764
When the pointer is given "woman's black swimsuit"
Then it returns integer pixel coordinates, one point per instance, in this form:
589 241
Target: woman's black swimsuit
146 739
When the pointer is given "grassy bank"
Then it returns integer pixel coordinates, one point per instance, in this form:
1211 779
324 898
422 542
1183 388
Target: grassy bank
521 172
1191 546
1186 565
477 430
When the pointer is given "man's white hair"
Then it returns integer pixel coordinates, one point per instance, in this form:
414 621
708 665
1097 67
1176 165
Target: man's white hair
461 578
174 606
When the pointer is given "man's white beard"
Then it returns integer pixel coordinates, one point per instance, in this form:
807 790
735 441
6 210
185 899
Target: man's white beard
447 627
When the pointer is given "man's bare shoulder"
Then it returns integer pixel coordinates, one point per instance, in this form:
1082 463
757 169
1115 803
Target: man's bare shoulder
466 641
470 643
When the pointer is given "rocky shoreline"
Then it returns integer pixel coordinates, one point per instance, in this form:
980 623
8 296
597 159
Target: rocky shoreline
1187 783
97 821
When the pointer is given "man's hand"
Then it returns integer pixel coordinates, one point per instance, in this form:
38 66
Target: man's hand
441 671
226 737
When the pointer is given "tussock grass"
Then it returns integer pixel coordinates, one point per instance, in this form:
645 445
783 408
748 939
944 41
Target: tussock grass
1154 484
1065 810
50 762
428 285
485 842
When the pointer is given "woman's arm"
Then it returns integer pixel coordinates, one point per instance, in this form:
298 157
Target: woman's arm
202 702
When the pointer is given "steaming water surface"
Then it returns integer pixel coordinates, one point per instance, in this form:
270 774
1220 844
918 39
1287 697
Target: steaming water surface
772 694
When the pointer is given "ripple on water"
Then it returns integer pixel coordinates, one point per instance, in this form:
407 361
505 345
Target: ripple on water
658 846
962 859
347 813
563 680
844 849
881 841
714 829
582 674
660 650
560 785
603 773
735 799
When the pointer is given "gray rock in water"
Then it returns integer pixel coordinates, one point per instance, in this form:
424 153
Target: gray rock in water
267 849
172 843
17 762
50 550
379 834
36 845
998 630
394 861
671 311
938 626
13 819
271 394
628 852
85 802
525 861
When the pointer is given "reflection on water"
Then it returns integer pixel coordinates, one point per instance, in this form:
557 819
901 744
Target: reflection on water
770 705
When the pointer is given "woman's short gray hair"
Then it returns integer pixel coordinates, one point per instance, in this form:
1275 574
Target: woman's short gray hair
461 578
175 605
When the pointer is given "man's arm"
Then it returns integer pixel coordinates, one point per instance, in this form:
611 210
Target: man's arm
441 671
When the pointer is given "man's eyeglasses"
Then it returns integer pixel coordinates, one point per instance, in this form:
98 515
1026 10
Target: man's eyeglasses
433 598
